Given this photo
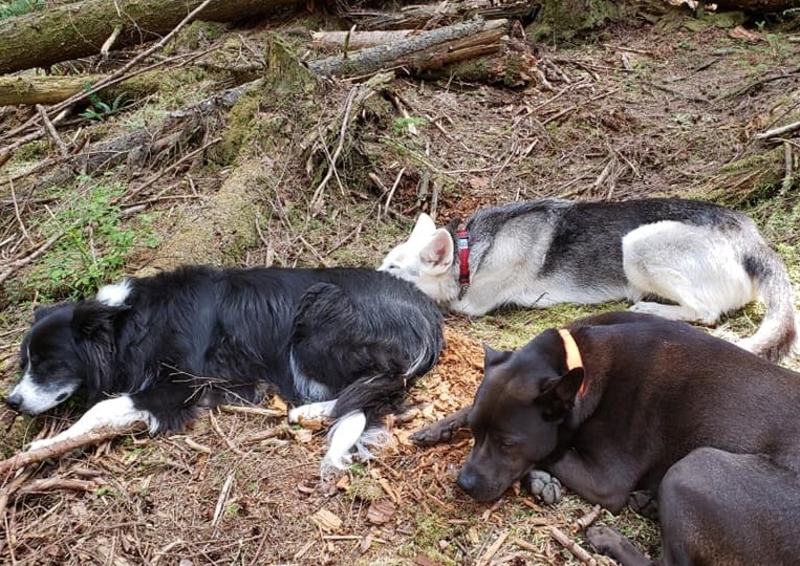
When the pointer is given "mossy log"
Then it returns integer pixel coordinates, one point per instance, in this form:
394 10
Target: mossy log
50 89
79 29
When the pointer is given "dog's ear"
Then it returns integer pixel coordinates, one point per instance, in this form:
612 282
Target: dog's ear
558 394
423 229
93 317
437 255
493 357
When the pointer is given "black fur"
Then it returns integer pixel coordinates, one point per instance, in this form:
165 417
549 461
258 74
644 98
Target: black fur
198 337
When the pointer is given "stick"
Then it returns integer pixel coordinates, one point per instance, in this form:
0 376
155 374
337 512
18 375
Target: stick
47 484
51 130
218 430
576 550
788 162
244 410
492 550
317 198
223 496
581 523
60 448
778 131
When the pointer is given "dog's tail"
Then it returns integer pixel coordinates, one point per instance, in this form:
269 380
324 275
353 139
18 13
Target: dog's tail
776 338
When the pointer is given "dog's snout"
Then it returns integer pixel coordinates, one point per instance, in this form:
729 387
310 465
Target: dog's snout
14 401
466 479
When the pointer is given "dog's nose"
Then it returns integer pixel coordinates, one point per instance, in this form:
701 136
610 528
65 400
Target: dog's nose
466 479
14 401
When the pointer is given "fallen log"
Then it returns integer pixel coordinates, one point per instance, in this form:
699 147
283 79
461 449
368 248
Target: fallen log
423 52
417 16
80 29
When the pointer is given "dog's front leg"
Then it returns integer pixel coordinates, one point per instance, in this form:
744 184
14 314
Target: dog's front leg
598 483
443 429
116 413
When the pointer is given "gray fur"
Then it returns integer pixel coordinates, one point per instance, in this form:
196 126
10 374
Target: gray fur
696 259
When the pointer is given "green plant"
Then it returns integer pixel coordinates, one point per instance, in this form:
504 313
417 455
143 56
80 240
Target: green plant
94 242
401 124
19 8
99 110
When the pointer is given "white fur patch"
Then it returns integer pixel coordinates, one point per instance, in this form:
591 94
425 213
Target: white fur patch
116 413
312 411
114 295
34 399
342 437
348 439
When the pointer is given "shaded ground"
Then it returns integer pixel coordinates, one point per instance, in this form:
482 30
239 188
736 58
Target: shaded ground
633 111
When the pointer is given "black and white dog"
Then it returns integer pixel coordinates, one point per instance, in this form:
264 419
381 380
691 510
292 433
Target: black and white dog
349 342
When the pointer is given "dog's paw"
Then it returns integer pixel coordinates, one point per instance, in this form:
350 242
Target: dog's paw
608 541
645 503
544 486
442 430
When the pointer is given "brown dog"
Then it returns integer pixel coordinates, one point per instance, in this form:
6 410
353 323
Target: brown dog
623 402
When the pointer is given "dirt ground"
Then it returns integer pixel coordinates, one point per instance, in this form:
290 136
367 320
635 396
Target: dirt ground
634 110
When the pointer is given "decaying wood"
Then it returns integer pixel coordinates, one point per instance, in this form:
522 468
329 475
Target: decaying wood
352 40
425 15
80 29
426 51
45 89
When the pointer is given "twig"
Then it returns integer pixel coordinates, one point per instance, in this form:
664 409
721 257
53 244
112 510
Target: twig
218 430
245 410
778 131
197 446
525 545
317 197
223 496
13 266
166 170
392 190
104 50
492 550
13 486
582 522
17 213
577 550
62 447
51 131
788 161
48 484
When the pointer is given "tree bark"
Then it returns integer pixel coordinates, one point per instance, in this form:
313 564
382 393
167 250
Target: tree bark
424 52
417 16
79 29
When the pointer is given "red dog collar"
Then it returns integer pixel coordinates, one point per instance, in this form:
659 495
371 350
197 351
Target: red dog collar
574 359
463 256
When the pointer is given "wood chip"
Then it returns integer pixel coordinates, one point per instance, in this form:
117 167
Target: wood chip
326 520
381 511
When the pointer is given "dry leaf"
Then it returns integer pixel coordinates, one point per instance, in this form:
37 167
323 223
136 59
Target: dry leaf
745 35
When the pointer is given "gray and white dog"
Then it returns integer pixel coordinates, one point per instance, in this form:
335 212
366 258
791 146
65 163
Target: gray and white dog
680 259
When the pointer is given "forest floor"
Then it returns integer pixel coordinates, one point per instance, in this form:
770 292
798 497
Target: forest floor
635 110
